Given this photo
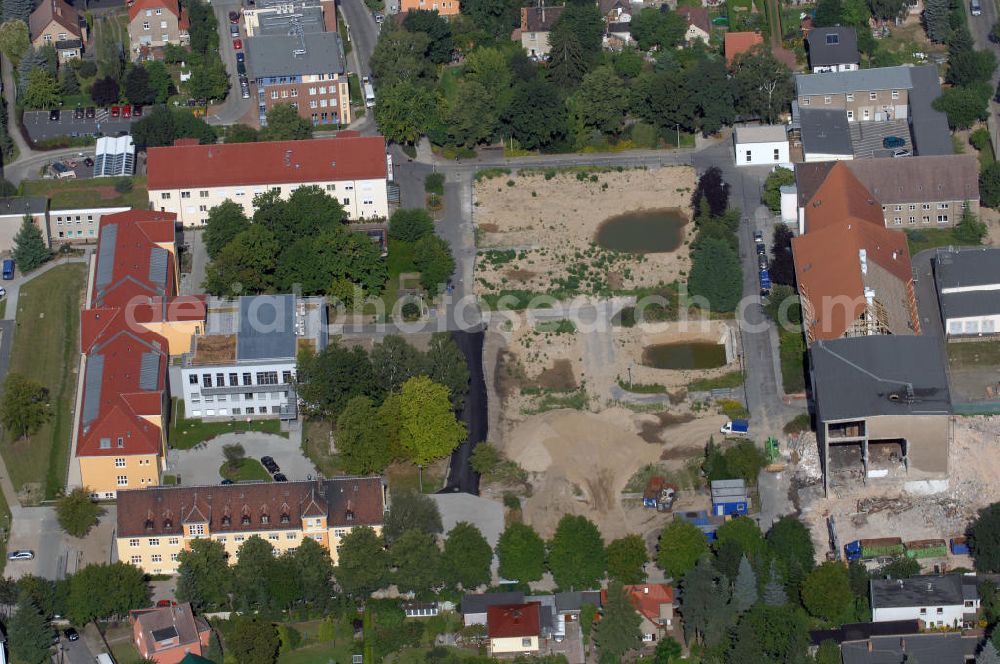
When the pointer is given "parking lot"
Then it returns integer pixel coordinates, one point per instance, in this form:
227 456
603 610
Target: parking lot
200 465
40 127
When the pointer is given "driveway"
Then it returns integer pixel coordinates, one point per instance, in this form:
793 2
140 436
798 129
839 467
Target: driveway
56 553
40 128
234 108
200 465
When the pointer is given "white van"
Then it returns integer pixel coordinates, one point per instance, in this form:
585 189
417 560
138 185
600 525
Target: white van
976 7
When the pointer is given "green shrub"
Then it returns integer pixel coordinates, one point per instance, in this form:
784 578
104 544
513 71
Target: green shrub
289 637
645 135
434 184
980 138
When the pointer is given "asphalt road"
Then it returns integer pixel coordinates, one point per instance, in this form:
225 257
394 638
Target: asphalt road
461 476
235 107
980 27
40 128
364 33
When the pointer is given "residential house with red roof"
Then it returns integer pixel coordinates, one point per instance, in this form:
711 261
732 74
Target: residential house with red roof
133 322
738 43
189 180
154 525
654 602
55 23
514 629
853 274
153 24
699 26
168 634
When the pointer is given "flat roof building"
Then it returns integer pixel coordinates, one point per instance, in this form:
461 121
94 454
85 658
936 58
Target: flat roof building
115 157
968 283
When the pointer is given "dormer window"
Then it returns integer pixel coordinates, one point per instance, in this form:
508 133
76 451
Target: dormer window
349 515
168 523
245 520
226 521
285 518
265 519
149 524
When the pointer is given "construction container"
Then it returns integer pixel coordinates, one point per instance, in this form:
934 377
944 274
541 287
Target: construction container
959 546
874 548
932 548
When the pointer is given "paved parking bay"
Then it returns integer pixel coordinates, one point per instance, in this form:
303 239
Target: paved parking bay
866 137
200 465
40 128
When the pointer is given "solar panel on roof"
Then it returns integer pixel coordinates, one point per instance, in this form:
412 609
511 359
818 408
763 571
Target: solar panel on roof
92 388
158 260
149 371
106 255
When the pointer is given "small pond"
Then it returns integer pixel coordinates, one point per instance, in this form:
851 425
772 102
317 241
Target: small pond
643 232
698 355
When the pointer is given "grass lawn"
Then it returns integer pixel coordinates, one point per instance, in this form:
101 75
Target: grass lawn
973 353
315 445
403 475
124 653
185 434
731 379
5 524
248 469
88 193
923 239
46 350
400 260
793 348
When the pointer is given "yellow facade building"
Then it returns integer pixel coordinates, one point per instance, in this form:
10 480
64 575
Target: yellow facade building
156 524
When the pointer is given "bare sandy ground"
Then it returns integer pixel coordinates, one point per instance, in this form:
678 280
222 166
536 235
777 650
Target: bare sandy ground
552 222
584 460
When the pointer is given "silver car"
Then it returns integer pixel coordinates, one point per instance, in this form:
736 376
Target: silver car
22 554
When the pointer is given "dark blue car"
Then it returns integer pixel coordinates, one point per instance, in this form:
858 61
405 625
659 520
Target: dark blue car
893 142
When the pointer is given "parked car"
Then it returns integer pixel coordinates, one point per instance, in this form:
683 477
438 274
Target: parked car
3 292
268 462
901 152
234 17
234 30
88 162
21 554
166 602
91 112
244 90
54 115
240 56
238 44
127 111
137 111
379 18
280 477
893 142
71 634
78 113
116 111
241 69
227 482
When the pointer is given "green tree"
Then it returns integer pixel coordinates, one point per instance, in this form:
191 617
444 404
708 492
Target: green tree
241 133
828 13
25 405
467 557
473 115
77 513
826 593
17 9
203 575
495 17
252 640
964 106
568 63
68 81
762 85
404 111
601 101
969 229
329 379
627 558
704 604
103 592
618 631
936 19
315 571
989 185
40 592
30 636
410 510
791 549
255 562
428 428
984 539
681 545
285 124
745 587
577 557
489 67
160 82
901 568
651 27
14 39
709 80
245 265
137 87
410 224
104 91
774 590
715 275
363 563
778 178
362 439
42 91
668 650
771 634
521 553
225 221
29 252
438 32
432 257
209 80
446 365
400 56
536 115
745 533
417 559
395 361
745 460
967 66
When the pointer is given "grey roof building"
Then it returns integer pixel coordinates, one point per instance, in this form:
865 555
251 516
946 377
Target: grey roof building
928 126
22 205
832 47
872 396
276 56
968 284
825 133
960 269
947 590
474 606
880 78
939 647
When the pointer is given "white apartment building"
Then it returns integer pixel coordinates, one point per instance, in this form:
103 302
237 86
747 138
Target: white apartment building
937 601
190 179
244 365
